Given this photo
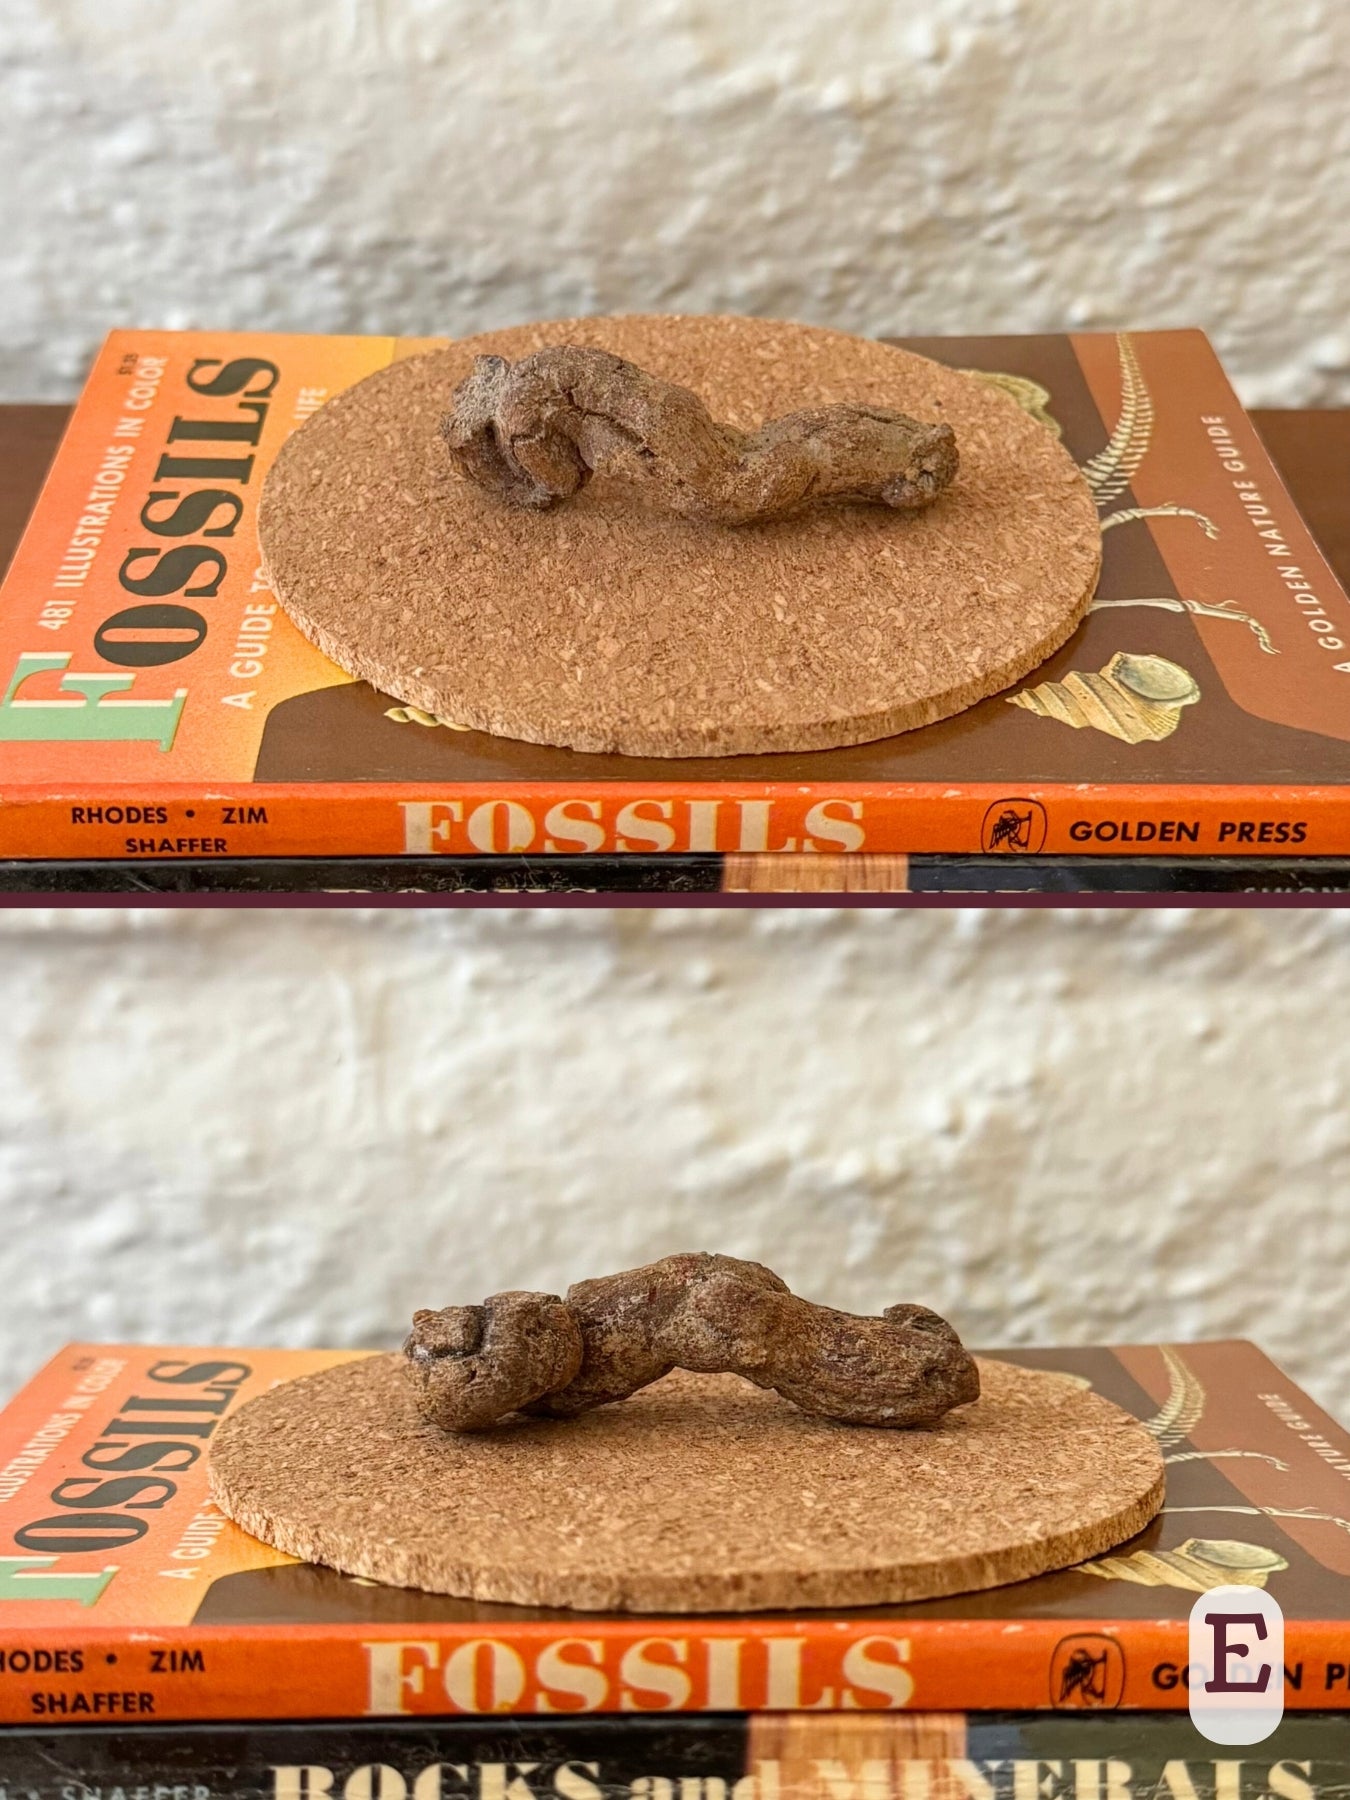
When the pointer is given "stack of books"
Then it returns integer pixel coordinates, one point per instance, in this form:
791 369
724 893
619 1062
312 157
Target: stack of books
150 1650
164 726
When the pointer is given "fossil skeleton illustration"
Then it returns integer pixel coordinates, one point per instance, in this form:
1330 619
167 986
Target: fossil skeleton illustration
1184 1406
1183 1410
1270 1512
1201 1564
1111 471
1218 609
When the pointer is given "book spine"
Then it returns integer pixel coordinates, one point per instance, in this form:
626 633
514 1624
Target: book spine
884 873
532 875
828 1756
593 1667
671 818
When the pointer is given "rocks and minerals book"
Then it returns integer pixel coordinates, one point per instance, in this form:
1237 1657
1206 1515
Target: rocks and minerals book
723 1756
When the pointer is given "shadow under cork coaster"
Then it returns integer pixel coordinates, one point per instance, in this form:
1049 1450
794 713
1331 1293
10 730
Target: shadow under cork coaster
609 626
701 1493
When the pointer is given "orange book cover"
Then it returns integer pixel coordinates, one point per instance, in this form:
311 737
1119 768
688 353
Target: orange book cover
156 703
126 1597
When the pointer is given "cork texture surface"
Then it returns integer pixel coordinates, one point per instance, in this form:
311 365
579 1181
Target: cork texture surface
607 626
702 1493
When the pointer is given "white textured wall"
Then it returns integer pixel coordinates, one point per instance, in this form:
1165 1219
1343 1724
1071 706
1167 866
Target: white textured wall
295 1127
446 165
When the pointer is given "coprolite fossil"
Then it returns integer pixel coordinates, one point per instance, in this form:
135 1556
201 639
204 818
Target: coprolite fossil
535 431
537 1353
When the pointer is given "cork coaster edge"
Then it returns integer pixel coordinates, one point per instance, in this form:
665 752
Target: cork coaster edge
826 734
811 1591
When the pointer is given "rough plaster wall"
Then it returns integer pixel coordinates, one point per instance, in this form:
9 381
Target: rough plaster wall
296 1127
447 165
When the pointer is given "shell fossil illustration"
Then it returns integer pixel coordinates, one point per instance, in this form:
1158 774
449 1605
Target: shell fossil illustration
414 715
1199 1565
1137 699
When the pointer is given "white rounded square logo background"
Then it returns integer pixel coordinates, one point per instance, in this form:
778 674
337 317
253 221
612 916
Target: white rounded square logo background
1236 1670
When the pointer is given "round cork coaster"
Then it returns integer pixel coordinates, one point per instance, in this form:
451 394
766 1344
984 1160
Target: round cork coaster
607 626
702 1493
